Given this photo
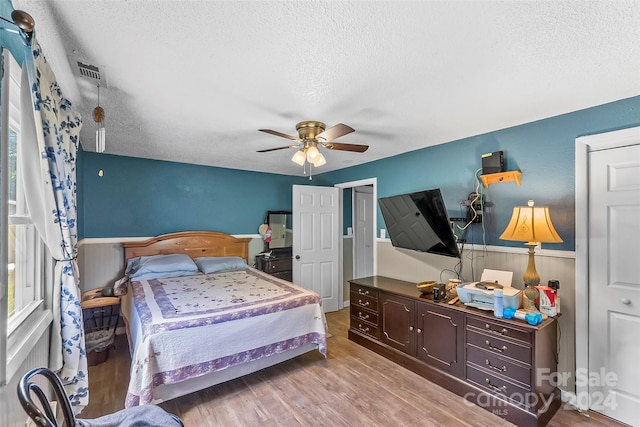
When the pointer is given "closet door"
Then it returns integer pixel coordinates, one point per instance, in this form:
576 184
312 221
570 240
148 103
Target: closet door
614 282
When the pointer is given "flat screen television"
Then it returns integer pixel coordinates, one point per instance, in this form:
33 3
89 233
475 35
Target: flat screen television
419 221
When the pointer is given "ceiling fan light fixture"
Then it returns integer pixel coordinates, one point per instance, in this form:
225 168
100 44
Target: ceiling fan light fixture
313 135
299 157
320 160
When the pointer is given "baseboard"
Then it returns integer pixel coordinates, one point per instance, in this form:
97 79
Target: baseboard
571 401
346 304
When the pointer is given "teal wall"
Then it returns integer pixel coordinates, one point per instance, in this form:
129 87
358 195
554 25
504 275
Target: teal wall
543 151
138 197
8 40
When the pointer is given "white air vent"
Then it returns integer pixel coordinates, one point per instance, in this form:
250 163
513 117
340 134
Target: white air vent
89 72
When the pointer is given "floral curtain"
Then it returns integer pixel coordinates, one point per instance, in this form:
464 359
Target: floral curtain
50 137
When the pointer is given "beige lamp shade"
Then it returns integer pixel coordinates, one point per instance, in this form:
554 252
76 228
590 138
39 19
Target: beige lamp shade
531 224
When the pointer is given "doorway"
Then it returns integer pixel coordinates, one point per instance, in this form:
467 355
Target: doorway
363 230
363 198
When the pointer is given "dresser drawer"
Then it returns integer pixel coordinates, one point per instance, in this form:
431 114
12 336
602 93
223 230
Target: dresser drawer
364 301
496 345
364 327
363 314
363 291
284 275
278 264
499 386
498 329
499 365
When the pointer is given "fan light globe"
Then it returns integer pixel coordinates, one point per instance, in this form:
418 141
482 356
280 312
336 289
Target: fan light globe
299 157
320 160
312 154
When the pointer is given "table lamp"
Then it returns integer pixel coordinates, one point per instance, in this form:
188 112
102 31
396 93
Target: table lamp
531 225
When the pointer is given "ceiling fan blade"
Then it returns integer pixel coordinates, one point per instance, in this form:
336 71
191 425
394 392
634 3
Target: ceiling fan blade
274 149
335 132
347 147
276 133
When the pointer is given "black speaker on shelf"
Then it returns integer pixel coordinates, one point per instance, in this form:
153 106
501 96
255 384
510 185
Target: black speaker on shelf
493 162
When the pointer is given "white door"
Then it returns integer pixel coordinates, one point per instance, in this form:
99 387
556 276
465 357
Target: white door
363 232
315 242
614 283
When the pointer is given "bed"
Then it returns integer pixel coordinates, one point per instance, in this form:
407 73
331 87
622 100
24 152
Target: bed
191 329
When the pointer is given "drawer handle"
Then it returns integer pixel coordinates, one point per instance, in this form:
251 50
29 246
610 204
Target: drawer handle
419 330
495 387
362 317
504 347
364 304
363 293
366 330
497 368
502 332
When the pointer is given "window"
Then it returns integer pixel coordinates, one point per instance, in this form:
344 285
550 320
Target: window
24 248
22 253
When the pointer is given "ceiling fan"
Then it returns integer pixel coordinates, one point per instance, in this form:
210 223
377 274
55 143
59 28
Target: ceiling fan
311 135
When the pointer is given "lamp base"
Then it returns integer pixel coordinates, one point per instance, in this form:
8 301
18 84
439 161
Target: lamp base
530 295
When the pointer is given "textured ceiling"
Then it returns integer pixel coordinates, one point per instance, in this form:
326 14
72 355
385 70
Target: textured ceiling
193 81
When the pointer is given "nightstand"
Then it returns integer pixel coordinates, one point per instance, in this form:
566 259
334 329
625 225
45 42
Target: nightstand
280 266
101 317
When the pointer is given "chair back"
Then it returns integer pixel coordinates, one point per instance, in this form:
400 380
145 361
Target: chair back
41 412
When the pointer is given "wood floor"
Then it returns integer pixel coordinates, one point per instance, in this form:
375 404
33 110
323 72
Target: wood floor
352 387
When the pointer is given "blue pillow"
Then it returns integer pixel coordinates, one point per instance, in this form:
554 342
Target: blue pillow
160 266
220 263
132 266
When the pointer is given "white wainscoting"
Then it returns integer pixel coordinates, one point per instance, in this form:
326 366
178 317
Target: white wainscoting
11 413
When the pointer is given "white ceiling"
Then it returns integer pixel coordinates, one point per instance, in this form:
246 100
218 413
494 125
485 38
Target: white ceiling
193 81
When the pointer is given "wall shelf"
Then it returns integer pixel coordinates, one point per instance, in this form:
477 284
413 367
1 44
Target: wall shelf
494 178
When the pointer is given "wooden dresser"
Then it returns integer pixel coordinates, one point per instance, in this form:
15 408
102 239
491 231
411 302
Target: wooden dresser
503 366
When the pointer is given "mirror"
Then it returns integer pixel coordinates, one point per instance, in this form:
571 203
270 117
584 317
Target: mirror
281 231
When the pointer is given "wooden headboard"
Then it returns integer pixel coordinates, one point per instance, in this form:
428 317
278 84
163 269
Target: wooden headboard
193 243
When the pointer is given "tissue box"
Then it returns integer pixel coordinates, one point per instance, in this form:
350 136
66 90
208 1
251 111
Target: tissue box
548 302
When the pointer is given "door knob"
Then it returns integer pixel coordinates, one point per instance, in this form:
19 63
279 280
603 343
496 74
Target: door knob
297 256
626 301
